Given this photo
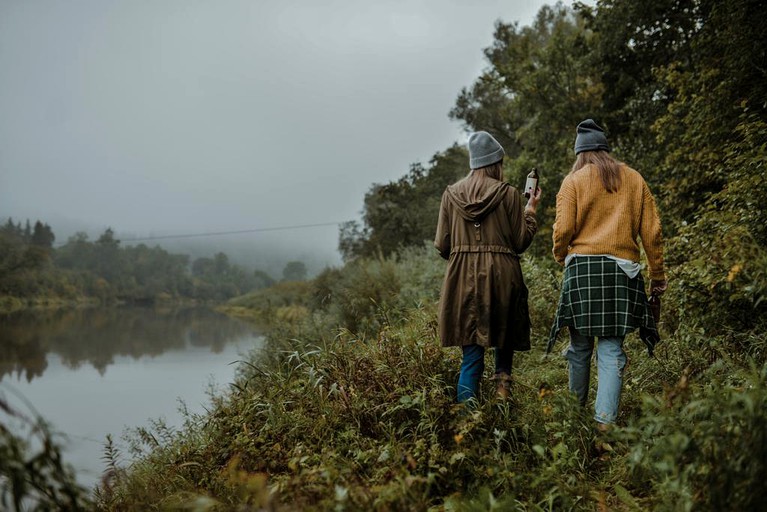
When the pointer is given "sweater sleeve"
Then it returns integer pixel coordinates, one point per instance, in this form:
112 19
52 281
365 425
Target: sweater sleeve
564 221
650 233
523 224
442 238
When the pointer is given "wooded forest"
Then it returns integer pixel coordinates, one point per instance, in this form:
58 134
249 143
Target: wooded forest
33 271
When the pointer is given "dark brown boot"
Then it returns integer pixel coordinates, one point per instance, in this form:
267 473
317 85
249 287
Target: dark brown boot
503 389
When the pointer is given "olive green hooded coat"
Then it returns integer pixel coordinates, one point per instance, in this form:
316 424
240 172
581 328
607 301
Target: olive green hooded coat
482 229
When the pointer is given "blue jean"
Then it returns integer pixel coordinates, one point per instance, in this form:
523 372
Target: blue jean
473 365
611 360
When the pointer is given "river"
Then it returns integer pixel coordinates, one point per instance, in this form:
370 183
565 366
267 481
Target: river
93 372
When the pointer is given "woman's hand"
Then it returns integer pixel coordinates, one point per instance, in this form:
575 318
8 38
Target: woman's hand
532 202
658 287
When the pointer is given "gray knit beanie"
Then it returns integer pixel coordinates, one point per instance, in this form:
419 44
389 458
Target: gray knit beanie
590 137
484 150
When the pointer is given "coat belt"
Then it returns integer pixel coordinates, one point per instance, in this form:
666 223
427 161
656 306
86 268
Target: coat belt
483 248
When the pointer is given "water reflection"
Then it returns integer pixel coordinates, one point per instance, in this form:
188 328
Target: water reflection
97 336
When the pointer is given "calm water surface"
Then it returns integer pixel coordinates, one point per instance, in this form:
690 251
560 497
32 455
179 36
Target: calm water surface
93 372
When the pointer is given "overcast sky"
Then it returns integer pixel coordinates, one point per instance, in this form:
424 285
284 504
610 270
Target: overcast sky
185 116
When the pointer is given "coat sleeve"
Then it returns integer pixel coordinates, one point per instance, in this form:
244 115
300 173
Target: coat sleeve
523 224
650 233
564 221
442 238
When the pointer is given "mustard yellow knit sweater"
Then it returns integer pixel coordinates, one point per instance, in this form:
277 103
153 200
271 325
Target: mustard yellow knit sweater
590 220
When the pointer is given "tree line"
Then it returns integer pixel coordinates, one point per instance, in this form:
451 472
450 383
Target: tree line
103 269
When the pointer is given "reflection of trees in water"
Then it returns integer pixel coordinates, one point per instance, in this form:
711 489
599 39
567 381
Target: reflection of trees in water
21 356
97 336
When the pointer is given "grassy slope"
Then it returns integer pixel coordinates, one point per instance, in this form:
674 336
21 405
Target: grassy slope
328 419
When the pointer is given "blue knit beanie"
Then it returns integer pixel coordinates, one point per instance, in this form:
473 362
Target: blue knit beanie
590 137
484 150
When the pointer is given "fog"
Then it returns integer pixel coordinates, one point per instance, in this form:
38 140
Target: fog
186 117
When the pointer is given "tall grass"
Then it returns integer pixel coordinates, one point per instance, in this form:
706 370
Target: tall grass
33 474
330 417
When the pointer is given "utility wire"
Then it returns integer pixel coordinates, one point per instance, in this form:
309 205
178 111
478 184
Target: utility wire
237 232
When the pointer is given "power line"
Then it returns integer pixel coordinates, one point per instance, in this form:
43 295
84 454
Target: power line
236 232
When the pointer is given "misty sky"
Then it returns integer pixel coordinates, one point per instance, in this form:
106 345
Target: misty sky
184 116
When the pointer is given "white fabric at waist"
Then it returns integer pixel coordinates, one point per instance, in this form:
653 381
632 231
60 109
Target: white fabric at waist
630 268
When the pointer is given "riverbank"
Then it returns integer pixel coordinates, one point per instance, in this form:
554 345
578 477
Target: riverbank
327 417
10 304
286 301
67 366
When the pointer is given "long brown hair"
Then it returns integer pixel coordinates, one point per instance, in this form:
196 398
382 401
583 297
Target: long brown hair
491 171
609 168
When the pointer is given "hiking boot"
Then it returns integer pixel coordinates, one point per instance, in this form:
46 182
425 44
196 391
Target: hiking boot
602 447
503 389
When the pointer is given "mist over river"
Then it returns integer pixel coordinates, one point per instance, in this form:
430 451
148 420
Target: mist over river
93 372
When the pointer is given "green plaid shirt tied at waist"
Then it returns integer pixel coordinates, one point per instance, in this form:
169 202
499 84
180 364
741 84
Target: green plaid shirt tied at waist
599 299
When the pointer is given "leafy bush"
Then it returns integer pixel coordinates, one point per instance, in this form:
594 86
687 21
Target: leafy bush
703 447
33 475
719 262
371 293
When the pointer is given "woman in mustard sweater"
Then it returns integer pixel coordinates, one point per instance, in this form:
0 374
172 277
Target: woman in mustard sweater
602 207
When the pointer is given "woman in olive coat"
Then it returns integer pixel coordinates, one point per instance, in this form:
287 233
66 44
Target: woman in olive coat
484 225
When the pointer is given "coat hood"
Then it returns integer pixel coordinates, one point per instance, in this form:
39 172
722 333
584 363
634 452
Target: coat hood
475 198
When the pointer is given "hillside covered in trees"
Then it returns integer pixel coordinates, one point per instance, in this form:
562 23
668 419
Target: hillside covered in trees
34 271
351 405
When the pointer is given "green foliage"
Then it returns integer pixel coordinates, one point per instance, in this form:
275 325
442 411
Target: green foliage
218 279
22 252
294 271
42 236
403 213
675 85
262 280
31 268
341 422
722 283
361 296
368 294
325 418
33 475
703 447
265 306
539 85
631 41
543 278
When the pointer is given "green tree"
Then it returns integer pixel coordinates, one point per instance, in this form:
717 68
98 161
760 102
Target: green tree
403 213
540 83
217 278
631 42
202 267
294 271
23 257
77 253
262 280
12 257
107 262
42 236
